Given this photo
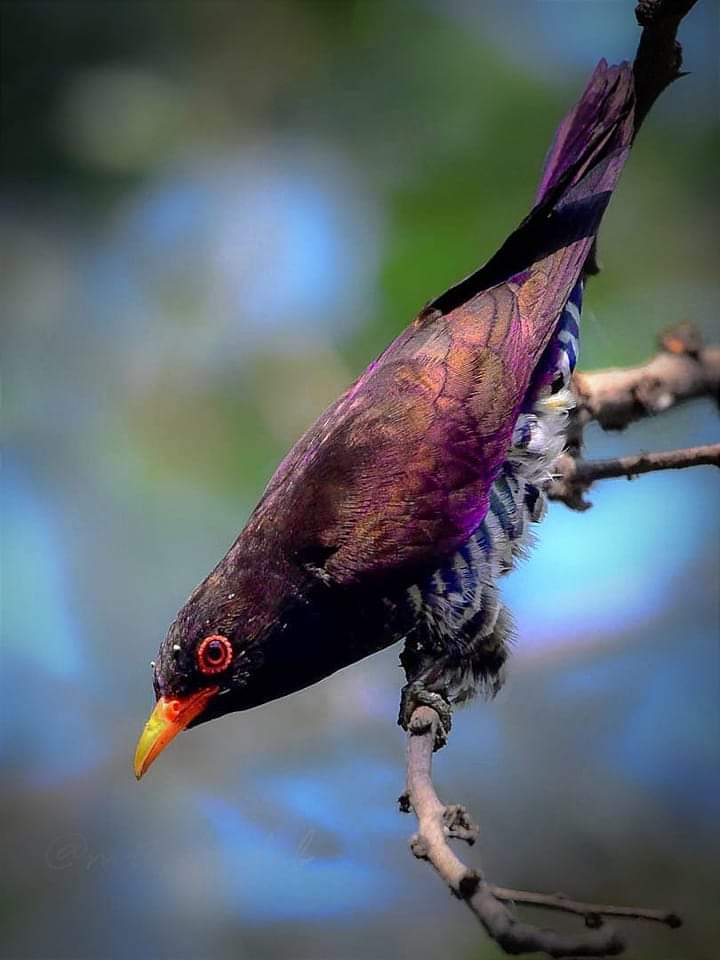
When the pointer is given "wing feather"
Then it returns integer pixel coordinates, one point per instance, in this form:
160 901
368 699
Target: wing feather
398 471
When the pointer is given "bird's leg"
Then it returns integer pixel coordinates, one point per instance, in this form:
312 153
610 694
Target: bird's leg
440 674
424 662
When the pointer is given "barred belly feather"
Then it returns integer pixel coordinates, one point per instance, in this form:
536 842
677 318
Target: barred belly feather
457 628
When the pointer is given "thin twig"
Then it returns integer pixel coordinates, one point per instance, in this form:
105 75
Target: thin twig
437 824
591 912
589 470
574 476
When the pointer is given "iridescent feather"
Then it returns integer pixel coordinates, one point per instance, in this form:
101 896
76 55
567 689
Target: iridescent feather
397 512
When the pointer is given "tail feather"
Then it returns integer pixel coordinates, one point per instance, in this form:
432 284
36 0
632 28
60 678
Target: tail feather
600 114
579 177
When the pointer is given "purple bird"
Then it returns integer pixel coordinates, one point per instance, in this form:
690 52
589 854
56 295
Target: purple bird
396 513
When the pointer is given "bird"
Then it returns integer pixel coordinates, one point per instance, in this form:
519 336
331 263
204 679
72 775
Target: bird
393 518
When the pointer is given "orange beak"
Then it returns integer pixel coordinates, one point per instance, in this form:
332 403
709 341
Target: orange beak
170 716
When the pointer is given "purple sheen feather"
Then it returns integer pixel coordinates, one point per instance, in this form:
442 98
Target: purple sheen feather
398 471
604 94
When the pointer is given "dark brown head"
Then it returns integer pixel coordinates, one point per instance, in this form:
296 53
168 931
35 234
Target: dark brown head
211 653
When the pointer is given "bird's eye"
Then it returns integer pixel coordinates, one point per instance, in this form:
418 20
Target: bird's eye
214 654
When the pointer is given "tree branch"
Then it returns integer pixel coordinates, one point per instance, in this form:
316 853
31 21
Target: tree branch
659 56
437 824
682 370
708 455
658 62
591 912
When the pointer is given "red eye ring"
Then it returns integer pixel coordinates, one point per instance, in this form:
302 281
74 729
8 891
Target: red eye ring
214 654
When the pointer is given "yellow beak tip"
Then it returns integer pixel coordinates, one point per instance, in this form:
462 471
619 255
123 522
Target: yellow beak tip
168 719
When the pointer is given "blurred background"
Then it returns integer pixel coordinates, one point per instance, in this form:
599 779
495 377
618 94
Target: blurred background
212 216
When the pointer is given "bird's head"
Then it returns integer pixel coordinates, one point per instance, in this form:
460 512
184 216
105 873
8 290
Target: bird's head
202 669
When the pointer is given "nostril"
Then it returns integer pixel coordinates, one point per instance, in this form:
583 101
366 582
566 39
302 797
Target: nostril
173 709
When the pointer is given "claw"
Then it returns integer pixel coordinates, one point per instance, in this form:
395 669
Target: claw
416 695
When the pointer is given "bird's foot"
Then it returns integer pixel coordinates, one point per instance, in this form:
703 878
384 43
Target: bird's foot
416 695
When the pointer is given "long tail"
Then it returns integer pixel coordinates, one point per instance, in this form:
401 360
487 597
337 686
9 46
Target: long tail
580 174
600 123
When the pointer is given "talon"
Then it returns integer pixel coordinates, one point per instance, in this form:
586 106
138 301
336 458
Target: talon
415 695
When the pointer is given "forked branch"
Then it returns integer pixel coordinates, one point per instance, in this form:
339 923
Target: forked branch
438 824
682 370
